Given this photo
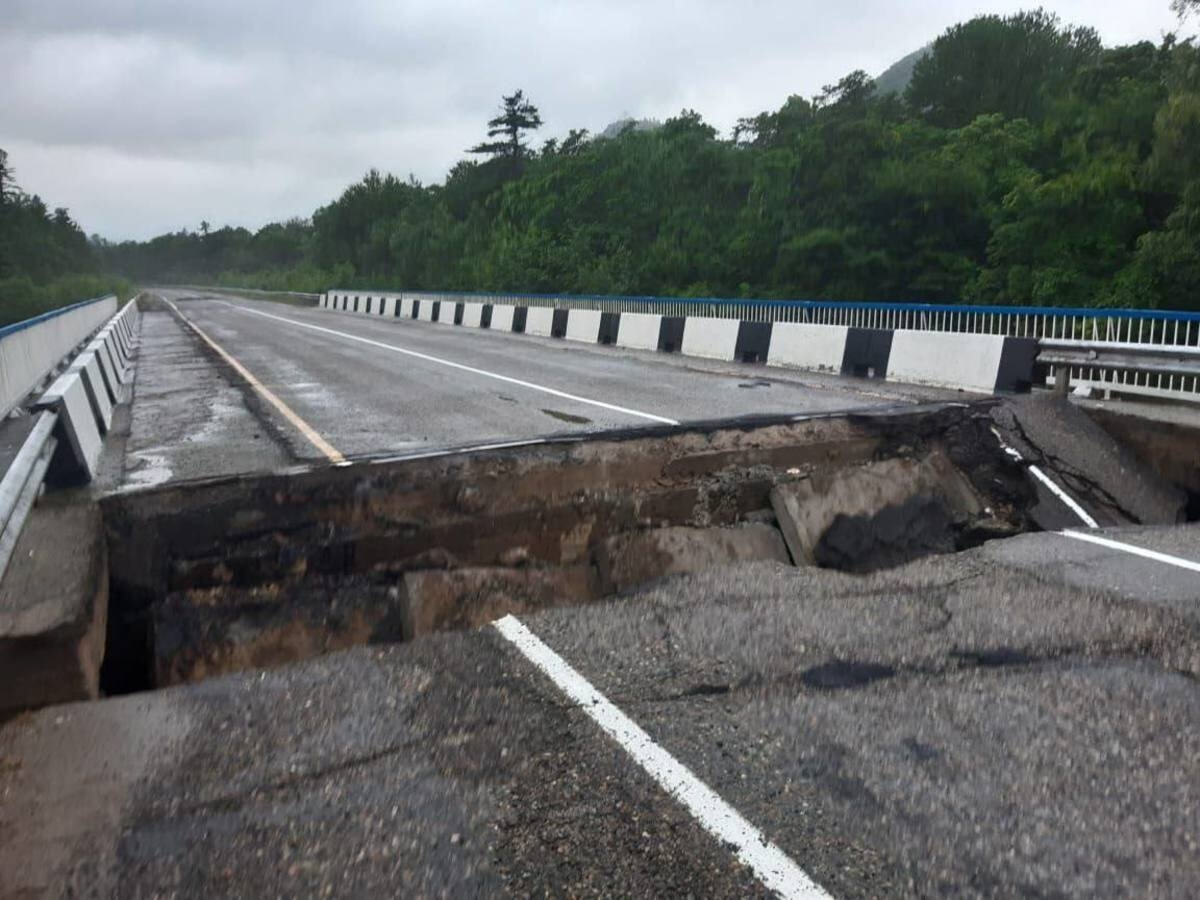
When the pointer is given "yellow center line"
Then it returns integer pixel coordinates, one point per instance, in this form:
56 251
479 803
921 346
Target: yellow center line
331 452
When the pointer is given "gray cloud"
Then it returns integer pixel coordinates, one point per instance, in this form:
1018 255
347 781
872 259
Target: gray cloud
145 115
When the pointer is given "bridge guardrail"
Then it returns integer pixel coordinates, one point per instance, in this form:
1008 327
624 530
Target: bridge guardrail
21 483
72 415
1135 327
1159 370
30 350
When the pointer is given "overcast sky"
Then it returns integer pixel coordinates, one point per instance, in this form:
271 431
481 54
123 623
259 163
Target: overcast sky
145 116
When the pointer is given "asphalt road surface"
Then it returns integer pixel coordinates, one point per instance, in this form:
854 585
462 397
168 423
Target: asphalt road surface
1018 719
377 386
1021 719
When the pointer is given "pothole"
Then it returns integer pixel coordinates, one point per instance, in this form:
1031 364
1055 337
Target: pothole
245 572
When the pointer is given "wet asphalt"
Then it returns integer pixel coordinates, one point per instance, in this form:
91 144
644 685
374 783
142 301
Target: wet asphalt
193 417
970 725
1018 719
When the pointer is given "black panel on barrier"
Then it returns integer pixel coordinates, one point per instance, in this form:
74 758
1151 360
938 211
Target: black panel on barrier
1018 359
558 328
416 313
368 306
519 316
867 352
670 333
356 303
753 342
610 324
485 316
399 306
437 311
458 313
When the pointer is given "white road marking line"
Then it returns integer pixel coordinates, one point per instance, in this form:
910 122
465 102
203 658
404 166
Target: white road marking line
331 453
772 866
454 365
1045 479
1135 550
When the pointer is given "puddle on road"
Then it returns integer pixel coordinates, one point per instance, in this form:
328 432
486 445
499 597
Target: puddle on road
150 469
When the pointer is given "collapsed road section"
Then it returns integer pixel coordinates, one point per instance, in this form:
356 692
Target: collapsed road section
1014 717
244 572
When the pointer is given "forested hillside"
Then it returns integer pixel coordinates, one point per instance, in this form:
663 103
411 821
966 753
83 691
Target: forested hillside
1025 163
45 258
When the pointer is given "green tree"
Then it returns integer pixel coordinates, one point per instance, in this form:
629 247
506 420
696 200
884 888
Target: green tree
1027 165
991 64
517 116
8 187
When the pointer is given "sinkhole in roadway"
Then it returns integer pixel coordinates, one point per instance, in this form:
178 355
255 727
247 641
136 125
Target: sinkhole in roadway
245 572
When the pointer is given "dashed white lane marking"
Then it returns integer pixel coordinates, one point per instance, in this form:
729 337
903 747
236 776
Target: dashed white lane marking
772 866
460 366
1135 550
1054 488
331 453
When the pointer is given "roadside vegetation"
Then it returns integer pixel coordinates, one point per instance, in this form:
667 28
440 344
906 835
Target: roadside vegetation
46 260
1015 160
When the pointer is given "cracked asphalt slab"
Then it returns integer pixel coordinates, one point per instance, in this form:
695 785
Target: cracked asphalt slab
439 768
966 725
951 728
1052 432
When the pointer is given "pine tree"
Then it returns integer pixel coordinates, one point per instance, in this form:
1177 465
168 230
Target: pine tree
8 187
517 115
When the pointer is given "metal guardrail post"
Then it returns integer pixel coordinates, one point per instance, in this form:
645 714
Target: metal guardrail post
1062 380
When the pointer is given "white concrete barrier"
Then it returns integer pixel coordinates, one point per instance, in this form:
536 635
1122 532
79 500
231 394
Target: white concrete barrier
539 320
819 347
472 314
122 363
88 368
111 334
639 331
121 321
970 362
30 350
502 317
709 337
109 370
67 396
984 363
584 325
